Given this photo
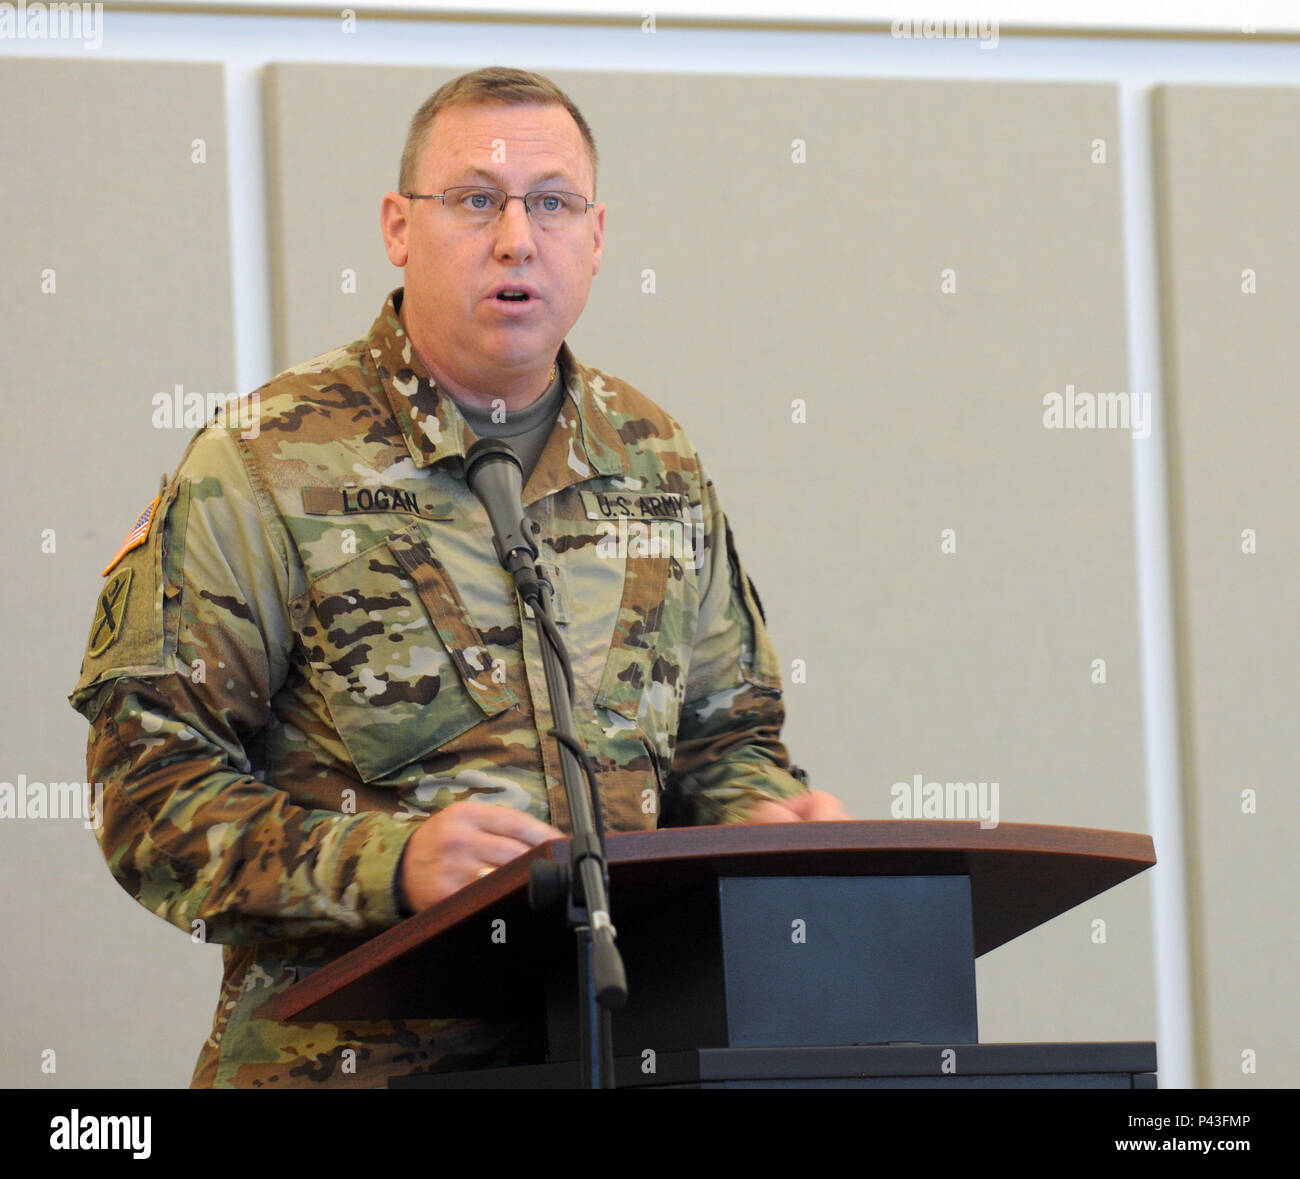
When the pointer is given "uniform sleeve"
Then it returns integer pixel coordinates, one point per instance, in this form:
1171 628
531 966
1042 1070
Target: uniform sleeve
177 685
729 753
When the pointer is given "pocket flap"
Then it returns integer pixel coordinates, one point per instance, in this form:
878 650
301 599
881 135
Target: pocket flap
464 642
402 668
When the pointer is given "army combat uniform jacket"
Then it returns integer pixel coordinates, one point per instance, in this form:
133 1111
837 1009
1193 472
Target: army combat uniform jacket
311 647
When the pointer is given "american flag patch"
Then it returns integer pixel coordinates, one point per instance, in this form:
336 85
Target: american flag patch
136 537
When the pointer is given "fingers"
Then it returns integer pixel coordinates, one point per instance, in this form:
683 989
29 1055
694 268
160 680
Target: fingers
478 837
817 806
811 806
772 812
460 844
493 850
505 821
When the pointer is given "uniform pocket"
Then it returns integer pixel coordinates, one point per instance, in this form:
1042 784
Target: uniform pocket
644 679
758 662
402 668
628 772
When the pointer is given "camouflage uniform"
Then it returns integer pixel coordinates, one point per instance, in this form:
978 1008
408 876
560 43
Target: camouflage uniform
316 648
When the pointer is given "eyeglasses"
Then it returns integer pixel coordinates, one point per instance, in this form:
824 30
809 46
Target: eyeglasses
477 205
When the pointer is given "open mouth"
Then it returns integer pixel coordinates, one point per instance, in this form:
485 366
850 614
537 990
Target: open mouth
513 296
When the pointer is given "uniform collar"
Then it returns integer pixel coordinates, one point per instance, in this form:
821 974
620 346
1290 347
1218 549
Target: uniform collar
584 443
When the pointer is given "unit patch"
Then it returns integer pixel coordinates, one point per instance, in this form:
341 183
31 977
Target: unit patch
110 612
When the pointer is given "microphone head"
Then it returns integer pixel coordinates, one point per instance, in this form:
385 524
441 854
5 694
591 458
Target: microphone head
486 450
496 477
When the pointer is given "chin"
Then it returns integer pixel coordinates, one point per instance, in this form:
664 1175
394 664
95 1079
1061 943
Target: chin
522 350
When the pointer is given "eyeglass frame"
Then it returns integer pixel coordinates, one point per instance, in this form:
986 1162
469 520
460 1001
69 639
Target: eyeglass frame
441 196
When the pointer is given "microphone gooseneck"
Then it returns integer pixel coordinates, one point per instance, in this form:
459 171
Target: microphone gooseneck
496 477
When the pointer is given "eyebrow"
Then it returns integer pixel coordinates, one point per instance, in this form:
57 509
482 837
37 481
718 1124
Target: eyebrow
484 174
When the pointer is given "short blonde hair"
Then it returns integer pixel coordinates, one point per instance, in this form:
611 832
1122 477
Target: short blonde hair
494 84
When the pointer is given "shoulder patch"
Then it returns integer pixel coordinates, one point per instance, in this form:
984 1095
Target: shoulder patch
110 612
135 538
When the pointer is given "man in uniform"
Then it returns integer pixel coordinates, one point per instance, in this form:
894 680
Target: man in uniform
306 651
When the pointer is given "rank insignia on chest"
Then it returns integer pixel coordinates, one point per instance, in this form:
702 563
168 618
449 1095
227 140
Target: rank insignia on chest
110 612
136 537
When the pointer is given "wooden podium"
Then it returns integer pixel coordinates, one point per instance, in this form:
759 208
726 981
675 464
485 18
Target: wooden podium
805 954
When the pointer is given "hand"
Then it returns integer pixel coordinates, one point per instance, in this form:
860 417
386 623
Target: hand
454 847
810 807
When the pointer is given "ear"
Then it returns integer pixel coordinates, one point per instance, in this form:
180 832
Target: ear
598 223
393 224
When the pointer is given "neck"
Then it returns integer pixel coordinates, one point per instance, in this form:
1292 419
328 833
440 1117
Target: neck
517 389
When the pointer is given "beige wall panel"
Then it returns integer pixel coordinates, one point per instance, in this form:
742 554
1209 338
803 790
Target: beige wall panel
1228 180
101 187
820 280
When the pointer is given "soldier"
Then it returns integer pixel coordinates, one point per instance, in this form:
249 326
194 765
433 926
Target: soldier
306 651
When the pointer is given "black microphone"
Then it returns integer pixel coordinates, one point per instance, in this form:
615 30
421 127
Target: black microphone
496 477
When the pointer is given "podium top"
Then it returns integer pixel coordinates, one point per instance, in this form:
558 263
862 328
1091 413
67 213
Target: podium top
1021 876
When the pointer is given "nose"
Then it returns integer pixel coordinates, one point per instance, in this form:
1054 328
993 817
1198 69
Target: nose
514 232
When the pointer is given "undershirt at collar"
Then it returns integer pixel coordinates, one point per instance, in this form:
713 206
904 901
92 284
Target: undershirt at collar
525 429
